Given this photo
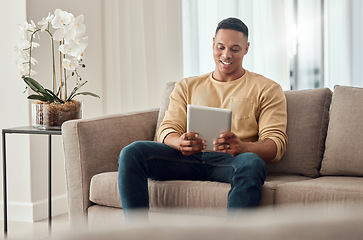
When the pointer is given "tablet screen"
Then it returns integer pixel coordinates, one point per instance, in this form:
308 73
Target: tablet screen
208 122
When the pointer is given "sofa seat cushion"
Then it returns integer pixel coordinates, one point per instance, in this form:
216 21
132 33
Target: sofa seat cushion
181 194
274 180
331 190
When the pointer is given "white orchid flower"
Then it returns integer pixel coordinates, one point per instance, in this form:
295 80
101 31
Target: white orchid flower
24 30
70 64
61 18
24 56
35 44
32 72
79 20
45 22
59 34
81 28
82 41
24 70
63 34
33 61
21 62
23 45
77 25
78 29
32 27
71 48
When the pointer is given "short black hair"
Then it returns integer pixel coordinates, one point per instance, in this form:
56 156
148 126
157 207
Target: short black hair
233 24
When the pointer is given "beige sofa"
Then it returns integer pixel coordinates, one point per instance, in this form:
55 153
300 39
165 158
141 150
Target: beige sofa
323 163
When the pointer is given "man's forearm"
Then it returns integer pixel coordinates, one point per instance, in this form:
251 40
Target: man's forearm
266 149
173 140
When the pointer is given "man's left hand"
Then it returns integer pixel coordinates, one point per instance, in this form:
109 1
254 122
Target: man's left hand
228 142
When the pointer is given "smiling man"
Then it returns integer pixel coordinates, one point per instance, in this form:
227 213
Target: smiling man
258 133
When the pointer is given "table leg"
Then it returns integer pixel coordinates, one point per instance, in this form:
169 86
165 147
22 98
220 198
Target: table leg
5 202
50 183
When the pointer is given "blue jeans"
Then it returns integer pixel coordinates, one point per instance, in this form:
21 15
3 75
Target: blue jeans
145 159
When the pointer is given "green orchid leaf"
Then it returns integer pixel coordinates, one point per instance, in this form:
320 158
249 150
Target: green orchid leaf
56 99
75 89
37 97
58 91
72 94
34 85
86 93
48 96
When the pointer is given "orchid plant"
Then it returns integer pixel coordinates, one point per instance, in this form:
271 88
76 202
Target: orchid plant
70 37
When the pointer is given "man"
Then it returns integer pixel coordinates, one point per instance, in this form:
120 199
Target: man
258 132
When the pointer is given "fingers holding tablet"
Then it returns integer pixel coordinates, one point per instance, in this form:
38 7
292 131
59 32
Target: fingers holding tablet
190 143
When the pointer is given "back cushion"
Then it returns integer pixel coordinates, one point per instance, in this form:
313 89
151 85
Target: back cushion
169 87
344 149
307 122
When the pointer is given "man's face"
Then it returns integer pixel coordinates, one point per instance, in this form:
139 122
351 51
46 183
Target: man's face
229 48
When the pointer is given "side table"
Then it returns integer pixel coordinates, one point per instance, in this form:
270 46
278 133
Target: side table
29 130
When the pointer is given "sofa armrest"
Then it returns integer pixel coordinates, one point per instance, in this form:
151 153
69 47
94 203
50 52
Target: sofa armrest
92 146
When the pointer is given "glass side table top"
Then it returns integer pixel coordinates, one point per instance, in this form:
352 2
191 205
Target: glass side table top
32 130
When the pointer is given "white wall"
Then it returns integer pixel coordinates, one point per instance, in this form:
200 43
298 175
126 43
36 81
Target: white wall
133 51
14 109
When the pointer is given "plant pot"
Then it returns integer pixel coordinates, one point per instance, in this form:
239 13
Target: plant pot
46 115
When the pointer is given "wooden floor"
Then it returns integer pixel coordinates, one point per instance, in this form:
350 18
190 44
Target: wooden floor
36 230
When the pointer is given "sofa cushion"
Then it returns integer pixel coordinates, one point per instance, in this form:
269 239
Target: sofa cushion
307 122
169 87
180 194
271 183
104 190
343 150
331 190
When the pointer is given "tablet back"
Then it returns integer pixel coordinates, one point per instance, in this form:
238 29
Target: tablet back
208 122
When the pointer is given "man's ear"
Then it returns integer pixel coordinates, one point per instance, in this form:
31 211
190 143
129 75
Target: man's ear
213 43
247 47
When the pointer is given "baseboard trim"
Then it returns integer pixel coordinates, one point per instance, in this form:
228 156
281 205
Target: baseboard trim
35 211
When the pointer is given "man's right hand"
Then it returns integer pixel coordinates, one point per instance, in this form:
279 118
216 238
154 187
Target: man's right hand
188 143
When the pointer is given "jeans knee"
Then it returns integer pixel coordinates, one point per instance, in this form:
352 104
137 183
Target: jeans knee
252 163
130 154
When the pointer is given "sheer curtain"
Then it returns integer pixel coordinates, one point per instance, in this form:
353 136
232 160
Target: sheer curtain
327 44
142 51
343 43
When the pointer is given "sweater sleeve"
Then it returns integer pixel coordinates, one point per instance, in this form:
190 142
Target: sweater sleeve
273 118
176 115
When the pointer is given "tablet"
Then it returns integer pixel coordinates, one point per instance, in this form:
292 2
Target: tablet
208 122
